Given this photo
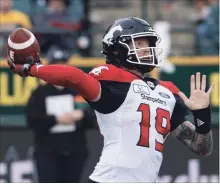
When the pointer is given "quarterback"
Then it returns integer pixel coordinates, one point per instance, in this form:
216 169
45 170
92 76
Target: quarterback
135 113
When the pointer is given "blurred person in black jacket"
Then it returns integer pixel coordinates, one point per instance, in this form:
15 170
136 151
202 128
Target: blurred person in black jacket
59 129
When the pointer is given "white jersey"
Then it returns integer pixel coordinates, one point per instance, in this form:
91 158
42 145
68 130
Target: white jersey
134 116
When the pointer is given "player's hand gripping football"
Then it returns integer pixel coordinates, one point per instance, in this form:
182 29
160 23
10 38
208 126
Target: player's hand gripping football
199 98
22 70
23 51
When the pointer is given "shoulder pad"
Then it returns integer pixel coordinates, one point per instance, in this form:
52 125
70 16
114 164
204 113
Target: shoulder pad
170 86
112 73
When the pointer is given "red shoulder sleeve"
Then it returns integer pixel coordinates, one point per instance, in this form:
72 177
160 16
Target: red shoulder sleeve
170 86
112 73
68 76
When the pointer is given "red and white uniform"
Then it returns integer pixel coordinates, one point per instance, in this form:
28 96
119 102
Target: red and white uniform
135 116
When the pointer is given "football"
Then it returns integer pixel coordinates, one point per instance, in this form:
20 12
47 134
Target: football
23 47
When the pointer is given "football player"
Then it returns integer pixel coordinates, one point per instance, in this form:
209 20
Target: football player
135 113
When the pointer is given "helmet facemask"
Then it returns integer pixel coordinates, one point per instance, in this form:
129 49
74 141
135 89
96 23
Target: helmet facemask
146 54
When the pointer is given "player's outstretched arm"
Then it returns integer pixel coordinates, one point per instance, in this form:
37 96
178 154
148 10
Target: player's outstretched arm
197 138
61 75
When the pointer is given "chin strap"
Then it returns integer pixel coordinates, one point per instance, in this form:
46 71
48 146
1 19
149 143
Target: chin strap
145 69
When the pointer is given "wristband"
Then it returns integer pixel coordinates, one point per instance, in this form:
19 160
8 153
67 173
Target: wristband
202 119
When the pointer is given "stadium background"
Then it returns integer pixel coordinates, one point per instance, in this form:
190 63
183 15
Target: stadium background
187 55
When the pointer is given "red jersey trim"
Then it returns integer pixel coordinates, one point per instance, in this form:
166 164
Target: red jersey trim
112 73
170 86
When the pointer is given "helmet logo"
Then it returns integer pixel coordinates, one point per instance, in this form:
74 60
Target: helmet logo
108 37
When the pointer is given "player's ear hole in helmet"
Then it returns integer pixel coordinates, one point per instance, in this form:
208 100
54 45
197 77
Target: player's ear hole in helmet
132 43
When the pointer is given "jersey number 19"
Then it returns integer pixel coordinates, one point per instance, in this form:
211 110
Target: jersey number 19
145 125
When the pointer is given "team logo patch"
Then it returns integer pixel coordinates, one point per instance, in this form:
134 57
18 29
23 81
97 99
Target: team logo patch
98 70
150 84
141 89
164 95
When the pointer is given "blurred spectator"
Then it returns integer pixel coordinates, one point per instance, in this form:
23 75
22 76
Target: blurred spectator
57 16
201 12
162 28
207 27
10 18
58 124
212 29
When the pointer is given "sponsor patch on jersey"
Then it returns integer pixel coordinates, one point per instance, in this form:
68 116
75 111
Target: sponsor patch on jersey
164 95
154 100
141 89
